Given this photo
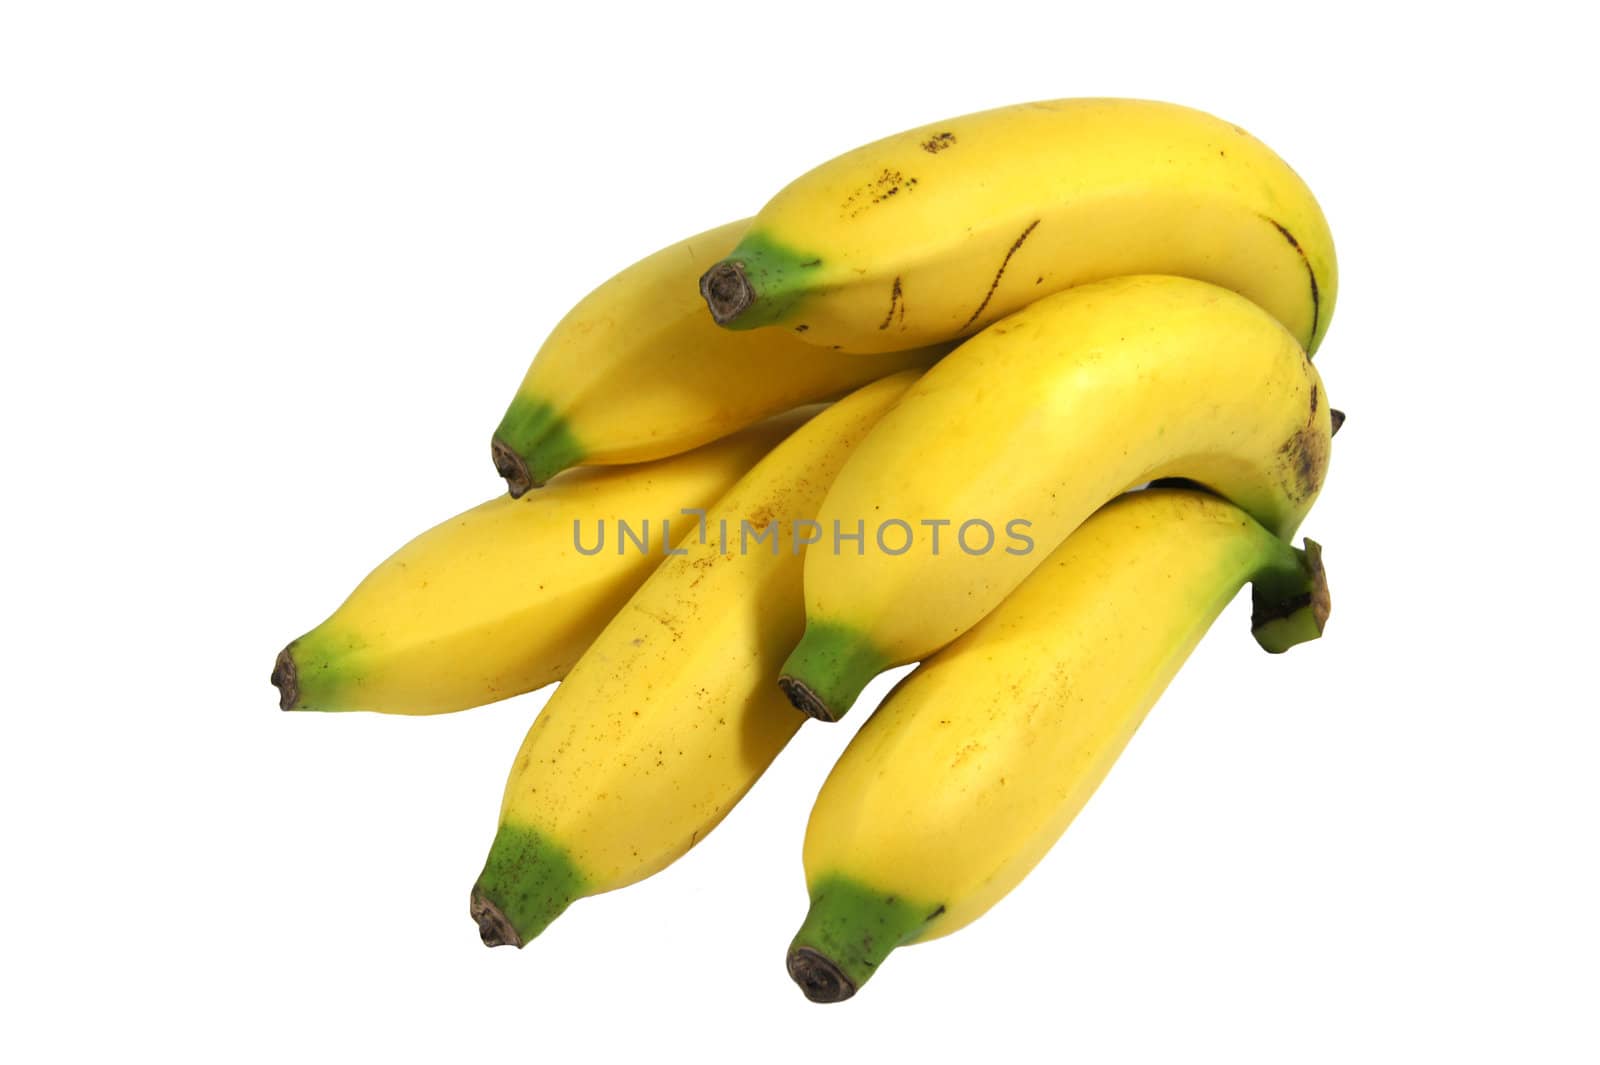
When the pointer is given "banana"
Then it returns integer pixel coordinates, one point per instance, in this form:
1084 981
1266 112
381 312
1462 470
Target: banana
1017 436
635 371
978 761
672 714
934 233
503 598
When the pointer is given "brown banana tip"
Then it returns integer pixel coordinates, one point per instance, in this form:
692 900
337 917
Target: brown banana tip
1321 601
818 977
493 927
1337 417
286 678
512 467
804 699
727 291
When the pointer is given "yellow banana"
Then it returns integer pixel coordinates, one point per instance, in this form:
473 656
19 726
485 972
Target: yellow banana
636 371
933 233
672 714
503 598
979 760
1018 435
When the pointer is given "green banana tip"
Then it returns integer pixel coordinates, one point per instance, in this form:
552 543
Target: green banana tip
286 678
533 443
494 928
850 928
727 291
527 881
825 673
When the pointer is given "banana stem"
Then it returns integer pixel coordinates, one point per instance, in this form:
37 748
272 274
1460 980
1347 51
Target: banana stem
286 678
1290 597
727 291
510 465
493 927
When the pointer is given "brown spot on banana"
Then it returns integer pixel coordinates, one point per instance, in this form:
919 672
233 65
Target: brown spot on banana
887 184
1304 460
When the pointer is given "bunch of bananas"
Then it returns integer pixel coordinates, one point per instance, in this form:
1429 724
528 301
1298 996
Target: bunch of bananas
1072 341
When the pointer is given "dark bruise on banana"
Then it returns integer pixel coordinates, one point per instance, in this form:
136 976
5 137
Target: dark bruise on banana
1303 458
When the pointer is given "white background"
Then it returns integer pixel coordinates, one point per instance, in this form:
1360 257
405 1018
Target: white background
268 275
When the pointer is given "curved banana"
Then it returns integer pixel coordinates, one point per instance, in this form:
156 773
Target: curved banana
1018 435
636 371
501 600
979 760
672 714
933 233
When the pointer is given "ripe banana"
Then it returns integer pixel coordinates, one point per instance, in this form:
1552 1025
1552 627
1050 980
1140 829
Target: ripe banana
672 714
934 233
636 371
500 600
979 760
1017 436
